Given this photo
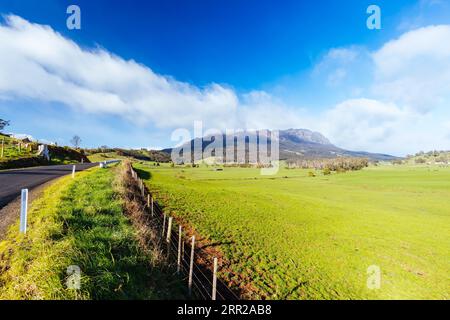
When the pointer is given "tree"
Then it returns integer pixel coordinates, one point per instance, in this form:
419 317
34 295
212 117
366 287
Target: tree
76 141
3 124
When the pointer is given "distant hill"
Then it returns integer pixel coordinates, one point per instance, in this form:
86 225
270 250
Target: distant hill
102 154
293 144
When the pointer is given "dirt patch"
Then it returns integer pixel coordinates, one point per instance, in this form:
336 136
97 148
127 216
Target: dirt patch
10 213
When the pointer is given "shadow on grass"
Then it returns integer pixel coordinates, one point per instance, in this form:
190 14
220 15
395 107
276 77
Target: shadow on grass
143 174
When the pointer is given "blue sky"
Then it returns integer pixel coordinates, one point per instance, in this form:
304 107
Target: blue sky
229 63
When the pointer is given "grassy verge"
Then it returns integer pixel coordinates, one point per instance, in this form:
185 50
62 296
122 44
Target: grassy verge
81 222
292 236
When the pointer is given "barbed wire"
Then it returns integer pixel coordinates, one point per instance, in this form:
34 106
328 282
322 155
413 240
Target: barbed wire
201 282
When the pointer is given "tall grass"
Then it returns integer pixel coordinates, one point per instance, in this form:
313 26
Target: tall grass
81 222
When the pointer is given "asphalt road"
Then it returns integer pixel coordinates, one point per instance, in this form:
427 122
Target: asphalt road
13 181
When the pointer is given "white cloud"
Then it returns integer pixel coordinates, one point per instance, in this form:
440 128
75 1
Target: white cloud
38 63
414 70
261 110
359 123
406 99
335 63
409 79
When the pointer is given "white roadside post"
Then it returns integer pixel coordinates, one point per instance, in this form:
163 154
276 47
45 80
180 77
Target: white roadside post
73 171
23 211
214 288
191 266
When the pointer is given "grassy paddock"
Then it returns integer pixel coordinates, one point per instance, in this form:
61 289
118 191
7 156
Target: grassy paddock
80 222
293 236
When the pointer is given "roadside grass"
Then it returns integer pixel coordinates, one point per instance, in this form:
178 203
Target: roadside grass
81 222
292 236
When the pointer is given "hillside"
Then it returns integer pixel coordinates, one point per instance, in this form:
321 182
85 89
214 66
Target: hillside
294 144
96 155
17 153
430 157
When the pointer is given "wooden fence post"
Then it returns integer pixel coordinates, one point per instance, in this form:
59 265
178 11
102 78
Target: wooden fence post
148 200
169 230
23 211
179 250
152 206
191 266
214 288
168 238
182 249
164 225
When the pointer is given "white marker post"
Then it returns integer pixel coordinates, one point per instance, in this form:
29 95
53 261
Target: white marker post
73 171
24 211
214 288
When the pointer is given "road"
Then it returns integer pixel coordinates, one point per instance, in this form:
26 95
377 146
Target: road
12 181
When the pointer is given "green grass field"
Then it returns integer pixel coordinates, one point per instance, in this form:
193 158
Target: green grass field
292 236
12 151
99 157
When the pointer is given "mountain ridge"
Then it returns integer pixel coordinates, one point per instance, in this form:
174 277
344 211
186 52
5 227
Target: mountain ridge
294 144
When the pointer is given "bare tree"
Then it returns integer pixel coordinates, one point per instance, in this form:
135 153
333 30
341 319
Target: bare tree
3 124
76 141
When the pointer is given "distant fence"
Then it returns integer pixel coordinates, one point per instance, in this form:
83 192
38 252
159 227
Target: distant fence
12 148
202 281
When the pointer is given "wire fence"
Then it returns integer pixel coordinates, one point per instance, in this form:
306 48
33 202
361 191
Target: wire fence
184 253
10 148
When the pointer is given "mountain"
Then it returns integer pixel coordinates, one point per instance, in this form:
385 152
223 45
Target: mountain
303 143
293 144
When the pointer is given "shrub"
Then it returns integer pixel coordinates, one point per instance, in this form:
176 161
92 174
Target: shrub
344 164
420 160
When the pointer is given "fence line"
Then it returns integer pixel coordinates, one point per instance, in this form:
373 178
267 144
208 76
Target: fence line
205 283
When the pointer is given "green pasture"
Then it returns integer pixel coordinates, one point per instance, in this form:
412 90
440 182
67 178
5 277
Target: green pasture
293 236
